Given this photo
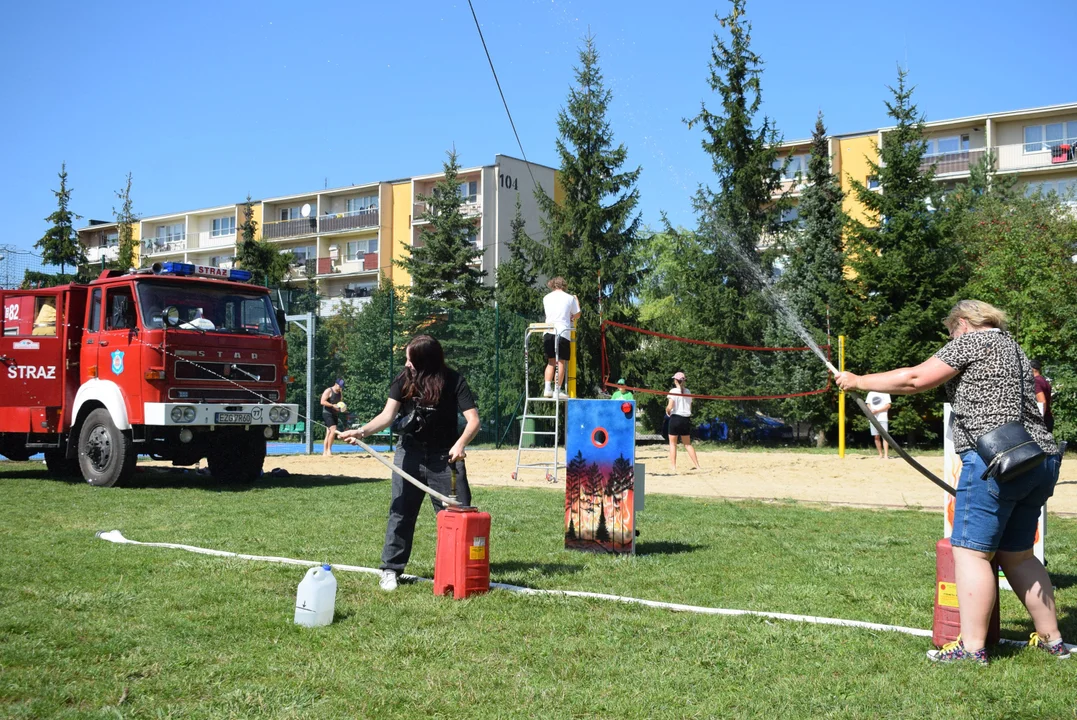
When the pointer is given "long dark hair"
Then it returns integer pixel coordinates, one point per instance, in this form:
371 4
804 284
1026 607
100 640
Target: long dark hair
425 379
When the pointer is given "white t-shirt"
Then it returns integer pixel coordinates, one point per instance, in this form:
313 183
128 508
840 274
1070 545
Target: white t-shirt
877 400
560 307
681 405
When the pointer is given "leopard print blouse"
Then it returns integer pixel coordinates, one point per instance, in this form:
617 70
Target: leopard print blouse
985 394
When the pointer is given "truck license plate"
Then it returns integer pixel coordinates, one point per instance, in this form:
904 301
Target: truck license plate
234 418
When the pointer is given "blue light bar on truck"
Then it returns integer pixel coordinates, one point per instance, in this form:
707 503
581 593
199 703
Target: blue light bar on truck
178 268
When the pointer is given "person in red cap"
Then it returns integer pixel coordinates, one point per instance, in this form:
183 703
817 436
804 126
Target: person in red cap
679 412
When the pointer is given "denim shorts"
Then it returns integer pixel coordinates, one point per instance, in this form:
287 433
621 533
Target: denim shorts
989 516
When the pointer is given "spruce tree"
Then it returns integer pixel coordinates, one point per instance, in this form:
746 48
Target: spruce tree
591 236
814 280
60 244
907 269
444 268
267 265
125 223
517 279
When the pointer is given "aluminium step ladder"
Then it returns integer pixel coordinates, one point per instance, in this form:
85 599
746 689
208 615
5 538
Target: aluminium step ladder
532 404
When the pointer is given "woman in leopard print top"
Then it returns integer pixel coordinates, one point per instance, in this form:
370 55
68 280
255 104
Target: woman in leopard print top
989 382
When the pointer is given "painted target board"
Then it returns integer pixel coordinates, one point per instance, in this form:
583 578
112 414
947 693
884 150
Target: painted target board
600 445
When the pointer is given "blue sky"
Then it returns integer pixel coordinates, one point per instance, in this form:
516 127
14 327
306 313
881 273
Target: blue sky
205 102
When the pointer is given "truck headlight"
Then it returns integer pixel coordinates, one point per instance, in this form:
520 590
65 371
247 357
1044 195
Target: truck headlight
279 414
183 414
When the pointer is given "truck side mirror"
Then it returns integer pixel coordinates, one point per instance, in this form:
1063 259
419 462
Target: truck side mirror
172 315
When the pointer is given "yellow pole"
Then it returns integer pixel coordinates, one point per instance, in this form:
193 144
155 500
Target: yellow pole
570 369
841 399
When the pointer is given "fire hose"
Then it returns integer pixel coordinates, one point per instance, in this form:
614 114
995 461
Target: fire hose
400 471
893 443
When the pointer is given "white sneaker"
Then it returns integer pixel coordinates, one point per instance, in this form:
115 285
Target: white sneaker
559 395
388 580
548 392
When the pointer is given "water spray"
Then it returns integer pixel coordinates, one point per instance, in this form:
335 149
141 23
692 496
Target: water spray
781 305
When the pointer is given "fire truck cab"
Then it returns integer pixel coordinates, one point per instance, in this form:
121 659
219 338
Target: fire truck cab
179 362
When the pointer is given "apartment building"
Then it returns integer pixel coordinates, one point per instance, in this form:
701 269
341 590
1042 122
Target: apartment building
1038 145
343 238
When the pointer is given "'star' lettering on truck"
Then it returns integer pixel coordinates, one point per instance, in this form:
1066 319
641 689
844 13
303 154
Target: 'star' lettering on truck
179 362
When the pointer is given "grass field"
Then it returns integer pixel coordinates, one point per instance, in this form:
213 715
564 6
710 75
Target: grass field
84 623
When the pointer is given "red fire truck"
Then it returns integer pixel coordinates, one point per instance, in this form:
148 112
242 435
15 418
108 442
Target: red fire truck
179 362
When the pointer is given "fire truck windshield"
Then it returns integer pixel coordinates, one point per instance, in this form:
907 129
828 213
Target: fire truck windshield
206 308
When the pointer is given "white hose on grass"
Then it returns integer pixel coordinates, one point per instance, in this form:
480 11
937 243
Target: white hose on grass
115 536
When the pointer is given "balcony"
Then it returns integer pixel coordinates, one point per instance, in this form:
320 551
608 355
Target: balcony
366 218
164 245
468 208
206 239
289 228
1037 156
952 162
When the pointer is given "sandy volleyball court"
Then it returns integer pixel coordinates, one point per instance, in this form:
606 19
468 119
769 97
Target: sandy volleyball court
857 480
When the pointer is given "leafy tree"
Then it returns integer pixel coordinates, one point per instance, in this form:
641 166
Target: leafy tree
907 269
814 282
517 277
125 222
268 265
591 236
444 267
60 244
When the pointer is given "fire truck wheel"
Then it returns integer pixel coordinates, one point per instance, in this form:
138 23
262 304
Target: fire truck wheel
62 466
106 453
237 460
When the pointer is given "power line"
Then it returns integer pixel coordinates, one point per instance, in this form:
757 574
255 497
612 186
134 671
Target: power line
502 92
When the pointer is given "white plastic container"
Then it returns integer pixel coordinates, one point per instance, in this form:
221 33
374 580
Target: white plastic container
316 597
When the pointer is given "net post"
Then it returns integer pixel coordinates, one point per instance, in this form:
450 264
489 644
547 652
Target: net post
841 399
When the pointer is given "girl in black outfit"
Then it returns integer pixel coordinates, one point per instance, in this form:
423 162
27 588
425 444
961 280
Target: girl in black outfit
428 455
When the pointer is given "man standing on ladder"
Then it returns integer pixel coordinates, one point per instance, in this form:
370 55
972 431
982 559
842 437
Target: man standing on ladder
562 311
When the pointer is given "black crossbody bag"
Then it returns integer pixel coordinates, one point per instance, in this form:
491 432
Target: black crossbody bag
413 421
1009 451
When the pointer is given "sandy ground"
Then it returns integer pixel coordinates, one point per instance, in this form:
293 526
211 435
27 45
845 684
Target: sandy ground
857 480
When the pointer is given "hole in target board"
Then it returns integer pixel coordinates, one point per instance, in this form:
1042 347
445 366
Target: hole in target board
599 437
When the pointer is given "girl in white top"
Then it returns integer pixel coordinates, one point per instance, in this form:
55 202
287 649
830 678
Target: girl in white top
679 410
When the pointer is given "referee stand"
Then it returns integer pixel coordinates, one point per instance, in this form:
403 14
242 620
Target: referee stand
542 415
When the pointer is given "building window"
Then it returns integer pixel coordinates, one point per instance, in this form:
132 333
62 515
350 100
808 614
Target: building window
791 216
950 144
112 240
473 239
798 164
469 191
356 249
290 213
221 261
300 255
873 182
361 204
1066 189
1039 138
170 233
224 226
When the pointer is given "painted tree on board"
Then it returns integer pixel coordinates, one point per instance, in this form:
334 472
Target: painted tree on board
574 474
60 243
592 488
592 232
907 269
125 227
621 479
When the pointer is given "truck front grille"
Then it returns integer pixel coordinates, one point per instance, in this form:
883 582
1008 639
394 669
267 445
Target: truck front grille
213 395
225 371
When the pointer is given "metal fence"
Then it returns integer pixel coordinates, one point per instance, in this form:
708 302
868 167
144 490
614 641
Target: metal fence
14 262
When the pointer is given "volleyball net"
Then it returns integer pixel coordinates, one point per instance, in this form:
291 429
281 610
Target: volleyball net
647 359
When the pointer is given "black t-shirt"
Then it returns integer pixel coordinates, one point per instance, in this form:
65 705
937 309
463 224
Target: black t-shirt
441 431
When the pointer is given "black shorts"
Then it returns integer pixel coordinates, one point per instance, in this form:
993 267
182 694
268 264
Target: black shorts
564 347
679 426
331 419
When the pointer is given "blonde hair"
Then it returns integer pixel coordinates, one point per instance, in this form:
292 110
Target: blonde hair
557 283
977 313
